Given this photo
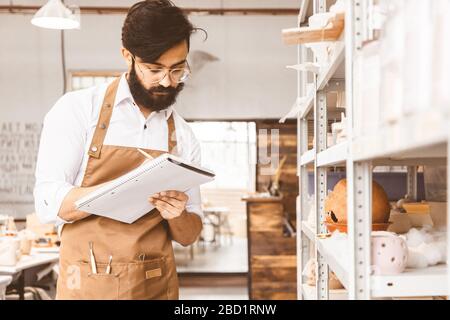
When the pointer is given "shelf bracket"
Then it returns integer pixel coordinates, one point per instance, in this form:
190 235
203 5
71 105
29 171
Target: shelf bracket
306 67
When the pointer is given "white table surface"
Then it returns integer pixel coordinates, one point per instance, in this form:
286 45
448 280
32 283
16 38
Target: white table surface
26 262
45 250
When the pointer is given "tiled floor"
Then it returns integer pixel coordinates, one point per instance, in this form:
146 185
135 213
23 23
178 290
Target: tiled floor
213 293
228 257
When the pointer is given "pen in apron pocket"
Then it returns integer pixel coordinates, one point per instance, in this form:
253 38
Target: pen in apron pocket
92 258
108 268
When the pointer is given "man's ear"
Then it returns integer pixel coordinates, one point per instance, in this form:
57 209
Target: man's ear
127 56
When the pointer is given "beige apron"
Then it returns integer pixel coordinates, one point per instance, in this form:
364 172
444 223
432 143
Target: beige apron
143 265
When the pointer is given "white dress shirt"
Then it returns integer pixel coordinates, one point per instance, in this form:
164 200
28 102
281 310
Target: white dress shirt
67 133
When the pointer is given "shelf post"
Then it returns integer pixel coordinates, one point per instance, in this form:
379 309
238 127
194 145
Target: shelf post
302 138
320 120
359 174
320 174
448 212
360 229
303 193
320 6
411 181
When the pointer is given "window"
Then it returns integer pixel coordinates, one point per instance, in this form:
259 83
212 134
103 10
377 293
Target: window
229 149
85 79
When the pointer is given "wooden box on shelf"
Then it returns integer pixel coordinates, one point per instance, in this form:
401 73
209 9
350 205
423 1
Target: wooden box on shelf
303 35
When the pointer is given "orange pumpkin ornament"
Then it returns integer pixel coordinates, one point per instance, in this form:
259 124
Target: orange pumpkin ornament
336 204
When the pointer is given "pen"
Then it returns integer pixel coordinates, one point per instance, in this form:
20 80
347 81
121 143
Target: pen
108 268
145 154
92 258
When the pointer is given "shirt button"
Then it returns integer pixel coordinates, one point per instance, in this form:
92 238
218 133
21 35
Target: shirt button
94 149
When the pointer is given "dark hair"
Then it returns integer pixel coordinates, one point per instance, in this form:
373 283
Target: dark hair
154 26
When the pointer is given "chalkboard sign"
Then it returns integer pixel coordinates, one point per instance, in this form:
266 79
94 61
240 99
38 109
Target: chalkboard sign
19 143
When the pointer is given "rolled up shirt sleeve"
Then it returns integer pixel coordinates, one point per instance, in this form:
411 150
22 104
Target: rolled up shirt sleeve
194 204
59 158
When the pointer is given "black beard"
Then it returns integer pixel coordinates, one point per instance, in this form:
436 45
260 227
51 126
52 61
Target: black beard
145 97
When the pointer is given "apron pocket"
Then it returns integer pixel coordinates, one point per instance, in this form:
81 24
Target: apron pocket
99 286
147 280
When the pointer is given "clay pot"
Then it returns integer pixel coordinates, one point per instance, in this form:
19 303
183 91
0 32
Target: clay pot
25 245
9 251
343 227
336 204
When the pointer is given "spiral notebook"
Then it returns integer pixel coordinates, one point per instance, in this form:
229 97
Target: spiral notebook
126 198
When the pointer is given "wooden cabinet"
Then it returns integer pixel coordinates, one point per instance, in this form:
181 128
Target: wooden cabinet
271 255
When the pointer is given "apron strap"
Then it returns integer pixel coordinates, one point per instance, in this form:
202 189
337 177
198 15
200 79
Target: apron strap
105 117
172 135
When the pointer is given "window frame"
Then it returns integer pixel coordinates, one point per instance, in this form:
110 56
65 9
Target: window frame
91 73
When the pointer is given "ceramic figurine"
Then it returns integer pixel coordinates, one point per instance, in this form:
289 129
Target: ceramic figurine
389 253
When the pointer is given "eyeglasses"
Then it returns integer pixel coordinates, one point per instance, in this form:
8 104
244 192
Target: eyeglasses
156 75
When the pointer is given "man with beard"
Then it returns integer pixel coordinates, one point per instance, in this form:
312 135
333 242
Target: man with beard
92 136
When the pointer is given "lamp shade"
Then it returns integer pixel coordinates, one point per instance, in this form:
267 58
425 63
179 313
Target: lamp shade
55 15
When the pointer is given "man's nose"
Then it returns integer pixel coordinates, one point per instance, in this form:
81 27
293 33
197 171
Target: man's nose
166 82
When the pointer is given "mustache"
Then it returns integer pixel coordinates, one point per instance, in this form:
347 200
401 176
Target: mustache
161 89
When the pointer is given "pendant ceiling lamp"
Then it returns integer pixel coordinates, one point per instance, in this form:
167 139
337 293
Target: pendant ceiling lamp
55 15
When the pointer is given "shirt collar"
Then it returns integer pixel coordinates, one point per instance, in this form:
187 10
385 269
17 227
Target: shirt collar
123 93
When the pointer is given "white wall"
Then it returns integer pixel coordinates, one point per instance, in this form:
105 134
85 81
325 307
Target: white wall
249 81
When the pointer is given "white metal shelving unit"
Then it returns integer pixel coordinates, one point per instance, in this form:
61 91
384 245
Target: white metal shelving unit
309 231
336 155
395 144
309 293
